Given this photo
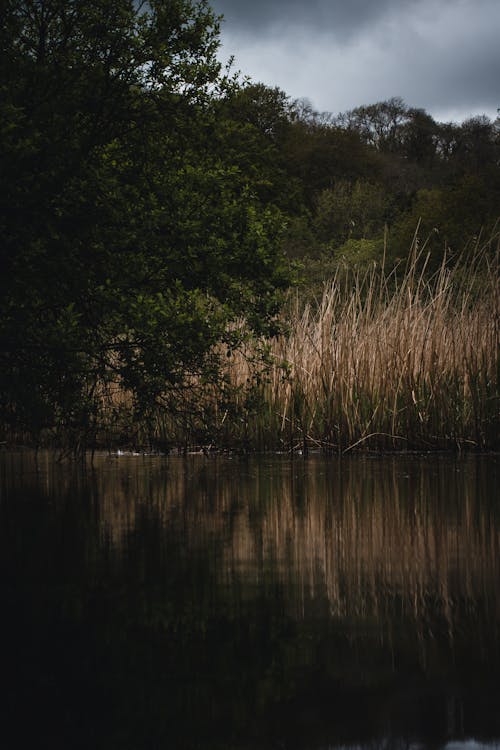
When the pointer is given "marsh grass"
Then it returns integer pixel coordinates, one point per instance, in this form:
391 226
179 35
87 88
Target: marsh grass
398 361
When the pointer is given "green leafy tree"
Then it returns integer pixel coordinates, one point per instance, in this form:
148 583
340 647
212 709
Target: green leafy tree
255 123
478 146
381 125
319 153
129 244
451 220
419 137
354 210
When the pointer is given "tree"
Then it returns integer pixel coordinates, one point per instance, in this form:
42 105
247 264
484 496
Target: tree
129 243
478 149
354 210
256 120
318 154
380 125
451 220
267 109
420 137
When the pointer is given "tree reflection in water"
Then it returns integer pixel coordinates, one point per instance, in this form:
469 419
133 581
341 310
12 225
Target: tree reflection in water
241 603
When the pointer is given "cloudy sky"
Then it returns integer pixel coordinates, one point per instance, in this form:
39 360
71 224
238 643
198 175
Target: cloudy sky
442 55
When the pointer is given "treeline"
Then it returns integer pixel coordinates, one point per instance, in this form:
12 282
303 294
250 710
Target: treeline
360 184
156 211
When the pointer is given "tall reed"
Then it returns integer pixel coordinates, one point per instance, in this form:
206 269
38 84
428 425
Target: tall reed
380 362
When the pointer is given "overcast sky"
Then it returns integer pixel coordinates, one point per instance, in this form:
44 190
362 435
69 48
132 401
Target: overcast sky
442 55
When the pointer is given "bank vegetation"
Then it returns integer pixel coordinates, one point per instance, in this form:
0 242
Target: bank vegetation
379 361
194 261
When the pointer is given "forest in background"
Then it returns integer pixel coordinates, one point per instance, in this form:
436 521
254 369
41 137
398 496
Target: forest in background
362 182
158 210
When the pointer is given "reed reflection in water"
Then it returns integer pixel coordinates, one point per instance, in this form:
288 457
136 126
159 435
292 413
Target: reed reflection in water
368 583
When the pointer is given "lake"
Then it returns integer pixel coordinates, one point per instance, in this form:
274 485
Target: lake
241 603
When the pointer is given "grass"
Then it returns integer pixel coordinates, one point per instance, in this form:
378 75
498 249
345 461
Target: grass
385 361
376 363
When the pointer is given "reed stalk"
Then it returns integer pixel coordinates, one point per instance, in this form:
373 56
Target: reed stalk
380 363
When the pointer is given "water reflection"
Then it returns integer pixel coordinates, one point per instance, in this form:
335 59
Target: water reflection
253 603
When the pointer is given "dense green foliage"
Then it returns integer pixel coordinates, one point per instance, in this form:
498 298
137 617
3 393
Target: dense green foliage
365 180
153 205
130 240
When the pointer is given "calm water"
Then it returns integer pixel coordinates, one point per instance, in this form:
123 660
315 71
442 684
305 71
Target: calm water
258 603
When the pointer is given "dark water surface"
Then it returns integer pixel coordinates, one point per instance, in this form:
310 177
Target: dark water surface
250 603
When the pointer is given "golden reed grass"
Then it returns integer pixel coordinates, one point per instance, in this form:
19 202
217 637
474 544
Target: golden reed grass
382 361
379 363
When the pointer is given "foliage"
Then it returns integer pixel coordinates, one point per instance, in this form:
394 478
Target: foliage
360 253
399 170
451 220
129 241
350 210
372 174
153 204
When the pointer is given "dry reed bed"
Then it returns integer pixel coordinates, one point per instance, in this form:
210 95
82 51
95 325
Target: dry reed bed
378 364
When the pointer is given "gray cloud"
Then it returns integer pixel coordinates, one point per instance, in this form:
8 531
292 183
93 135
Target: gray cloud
340 17
440 55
